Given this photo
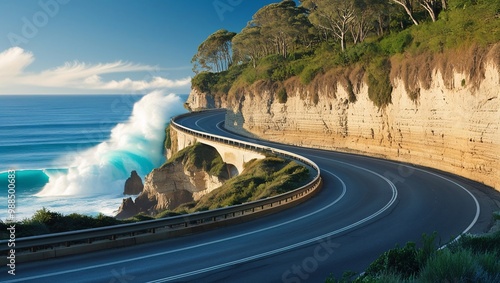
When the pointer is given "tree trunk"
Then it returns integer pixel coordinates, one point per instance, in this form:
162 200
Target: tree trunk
407 6
444 5
430 7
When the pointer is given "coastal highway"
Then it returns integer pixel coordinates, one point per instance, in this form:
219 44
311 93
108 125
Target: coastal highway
365 207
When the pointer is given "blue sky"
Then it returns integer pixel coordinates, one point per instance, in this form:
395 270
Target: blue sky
108 46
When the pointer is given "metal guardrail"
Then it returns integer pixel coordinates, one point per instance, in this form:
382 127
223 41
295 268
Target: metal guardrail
89 236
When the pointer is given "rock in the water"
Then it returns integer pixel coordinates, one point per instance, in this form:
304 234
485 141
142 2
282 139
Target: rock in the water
133 185
127 209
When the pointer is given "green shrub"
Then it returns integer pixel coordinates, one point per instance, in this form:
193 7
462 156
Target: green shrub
281 73
379 83
400 261
104 220
168 139
201 156
139 217
249 75
309 73
428 249
446 266
296 67
204 81
481 244
282 96
168 213
396 43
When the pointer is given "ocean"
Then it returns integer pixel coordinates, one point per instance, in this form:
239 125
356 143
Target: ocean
73 153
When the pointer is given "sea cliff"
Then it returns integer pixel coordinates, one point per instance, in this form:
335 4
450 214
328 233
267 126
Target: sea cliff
444 113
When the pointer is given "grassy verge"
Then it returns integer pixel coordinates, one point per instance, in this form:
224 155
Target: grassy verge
470 259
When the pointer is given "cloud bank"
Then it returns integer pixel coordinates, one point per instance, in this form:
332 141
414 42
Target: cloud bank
78 75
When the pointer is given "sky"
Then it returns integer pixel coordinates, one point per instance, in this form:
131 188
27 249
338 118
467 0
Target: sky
109 46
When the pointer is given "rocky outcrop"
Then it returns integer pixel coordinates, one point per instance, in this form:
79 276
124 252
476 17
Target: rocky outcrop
171 185
448 122
198 101
133 185
127 209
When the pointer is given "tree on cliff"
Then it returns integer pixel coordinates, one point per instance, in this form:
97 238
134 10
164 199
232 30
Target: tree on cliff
275 29
214 54
433 7
249 46
339 19
407 5
333 16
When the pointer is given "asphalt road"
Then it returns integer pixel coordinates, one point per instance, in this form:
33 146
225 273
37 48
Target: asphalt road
365 207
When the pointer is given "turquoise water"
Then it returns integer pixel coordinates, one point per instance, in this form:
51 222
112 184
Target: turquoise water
73 153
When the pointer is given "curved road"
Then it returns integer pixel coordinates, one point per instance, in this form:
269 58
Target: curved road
365 207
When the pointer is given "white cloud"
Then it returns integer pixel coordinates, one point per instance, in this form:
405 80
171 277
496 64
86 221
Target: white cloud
78 75
13 61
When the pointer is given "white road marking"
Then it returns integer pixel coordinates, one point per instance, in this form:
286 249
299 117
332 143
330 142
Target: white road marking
296 245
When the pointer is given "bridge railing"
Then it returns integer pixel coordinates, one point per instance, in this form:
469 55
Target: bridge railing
172 226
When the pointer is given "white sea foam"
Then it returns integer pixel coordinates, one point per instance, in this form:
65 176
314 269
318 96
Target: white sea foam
134 145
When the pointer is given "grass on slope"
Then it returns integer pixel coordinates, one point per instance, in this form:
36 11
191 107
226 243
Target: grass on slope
260 179
200 156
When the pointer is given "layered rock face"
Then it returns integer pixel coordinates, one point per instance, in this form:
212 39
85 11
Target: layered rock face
452 125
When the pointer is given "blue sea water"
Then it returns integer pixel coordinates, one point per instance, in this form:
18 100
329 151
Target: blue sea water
73 153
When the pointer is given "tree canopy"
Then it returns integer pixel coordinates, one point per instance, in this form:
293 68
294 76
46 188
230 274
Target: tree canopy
283 27
214 54
275 29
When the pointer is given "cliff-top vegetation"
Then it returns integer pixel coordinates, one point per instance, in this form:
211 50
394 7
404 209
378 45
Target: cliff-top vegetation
350 42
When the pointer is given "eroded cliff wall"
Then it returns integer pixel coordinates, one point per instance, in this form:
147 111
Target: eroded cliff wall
452 125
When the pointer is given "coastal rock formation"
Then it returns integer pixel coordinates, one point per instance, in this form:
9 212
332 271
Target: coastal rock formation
177 182
127 209
198 100
172 185
446 117
133 185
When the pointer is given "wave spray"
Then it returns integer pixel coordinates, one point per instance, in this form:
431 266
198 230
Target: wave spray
134 145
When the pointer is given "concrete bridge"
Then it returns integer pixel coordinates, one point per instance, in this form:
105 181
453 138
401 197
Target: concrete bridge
232 152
